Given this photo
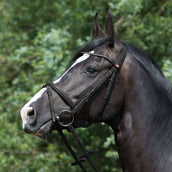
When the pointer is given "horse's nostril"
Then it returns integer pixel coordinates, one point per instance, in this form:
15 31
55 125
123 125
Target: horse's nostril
31 116
31 113
28 115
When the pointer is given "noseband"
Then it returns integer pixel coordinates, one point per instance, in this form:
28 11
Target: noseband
60 119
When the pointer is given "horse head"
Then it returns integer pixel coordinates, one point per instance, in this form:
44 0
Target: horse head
85 92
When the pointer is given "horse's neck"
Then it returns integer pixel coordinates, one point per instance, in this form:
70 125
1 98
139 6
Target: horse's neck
143 133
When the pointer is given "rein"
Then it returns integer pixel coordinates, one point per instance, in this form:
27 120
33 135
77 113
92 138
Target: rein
60 118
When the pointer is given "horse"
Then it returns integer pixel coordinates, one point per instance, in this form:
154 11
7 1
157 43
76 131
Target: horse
114 82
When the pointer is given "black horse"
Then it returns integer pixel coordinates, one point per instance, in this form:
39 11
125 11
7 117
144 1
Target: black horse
113 82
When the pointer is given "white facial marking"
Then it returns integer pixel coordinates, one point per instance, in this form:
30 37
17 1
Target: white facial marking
26 109
80 59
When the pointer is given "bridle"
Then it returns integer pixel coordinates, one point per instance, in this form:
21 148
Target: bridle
59 118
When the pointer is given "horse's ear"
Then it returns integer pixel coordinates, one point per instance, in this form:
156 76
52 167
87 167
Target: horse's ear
110 31
96 30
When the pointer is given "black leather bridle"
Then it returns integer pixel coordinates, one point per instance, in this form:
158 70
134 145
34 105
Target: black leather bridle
60 118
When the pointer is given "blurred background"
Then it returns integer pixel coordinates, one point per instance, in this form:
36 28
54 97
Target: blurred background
37 40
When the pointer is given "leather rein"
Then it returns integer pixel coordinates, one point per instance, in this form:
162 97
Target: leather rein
59 119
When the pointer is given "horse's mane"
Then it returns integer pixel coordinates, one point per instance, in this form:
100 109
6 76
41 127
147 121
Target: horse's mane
151 67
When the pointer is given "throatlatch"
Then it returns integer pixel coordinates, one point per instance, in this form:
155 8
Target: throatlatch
67 123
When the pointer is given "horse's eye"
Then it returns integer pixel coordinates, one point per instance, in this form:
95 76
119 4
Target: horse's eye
91 70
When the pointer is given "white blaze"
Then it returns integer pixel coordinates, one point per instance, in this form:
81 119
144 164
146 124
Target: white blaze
82 58
26 108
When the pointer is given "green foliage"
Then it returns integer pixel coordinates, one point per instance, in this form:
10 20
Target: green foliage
167 69
37 41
